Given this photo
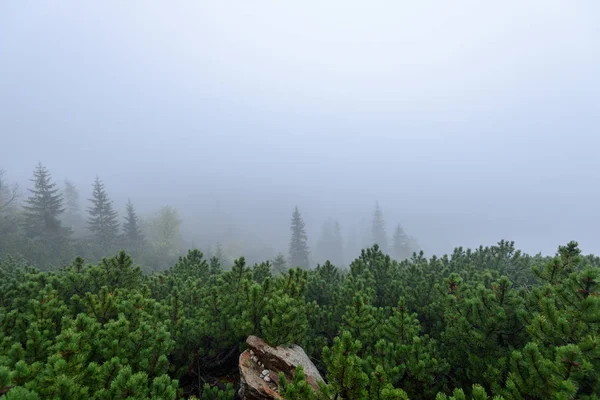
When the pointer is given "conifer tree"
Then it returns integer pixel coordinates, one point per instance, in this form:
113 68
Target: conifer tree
165 228
72 216
298 389
192 266
216 393
279 263
163 233
378 233
285 320
220 255
102 222
563 357
132 232
298 245
215 267
322 246
401 244
344 368
361 319
324 284
71 197
8 194
330 244
352 247
337 245
379 270
11 240
44 207
262 271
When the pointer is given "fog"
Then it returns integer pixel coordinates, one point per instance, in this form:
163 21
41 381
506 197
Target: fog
469 122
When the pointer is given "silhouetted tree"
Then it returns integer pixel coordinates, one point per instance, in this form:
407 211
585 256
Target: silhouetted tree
71 197
44 207
352 246
330 246
215 267
132 232
337 245
378 233
72 216
220 255
323 248
8 193
102 222
298 247
401 244
279 263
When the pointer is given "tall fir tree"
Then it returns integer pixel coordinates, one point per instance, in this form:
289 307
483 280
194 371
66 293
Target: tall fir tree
378 234
298 245
401 244
132 232
44 207
102 222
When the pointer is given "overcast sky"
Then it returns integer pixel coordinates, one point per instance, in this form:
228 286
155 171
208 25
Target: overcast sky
469 121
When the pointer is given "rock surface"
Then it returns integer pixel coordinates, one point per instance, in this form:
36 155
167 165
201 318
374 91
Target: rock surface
260 366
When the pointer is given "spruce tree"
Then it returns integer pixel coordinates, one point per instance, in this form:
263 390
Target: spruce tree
401 244
378 234
44 207
298 247
102 223
132 233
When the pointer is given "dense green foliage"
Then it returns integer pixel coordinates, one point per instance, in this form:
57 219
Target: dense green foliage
474 324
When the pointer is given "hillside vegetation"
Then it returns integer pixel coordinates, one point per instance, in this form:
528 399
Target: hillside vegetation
473 324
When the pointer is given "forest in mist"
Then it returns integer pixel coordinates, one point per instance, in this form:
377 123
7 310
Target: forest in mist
97 303
315 200
47 225
478 324
465 131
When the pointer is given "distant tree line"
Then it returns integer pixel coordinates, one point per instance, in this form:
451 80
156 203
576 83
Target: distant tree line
48 225
331 247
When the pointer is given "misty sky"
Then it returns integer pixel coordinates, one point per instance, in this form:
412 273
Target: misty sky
468 121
